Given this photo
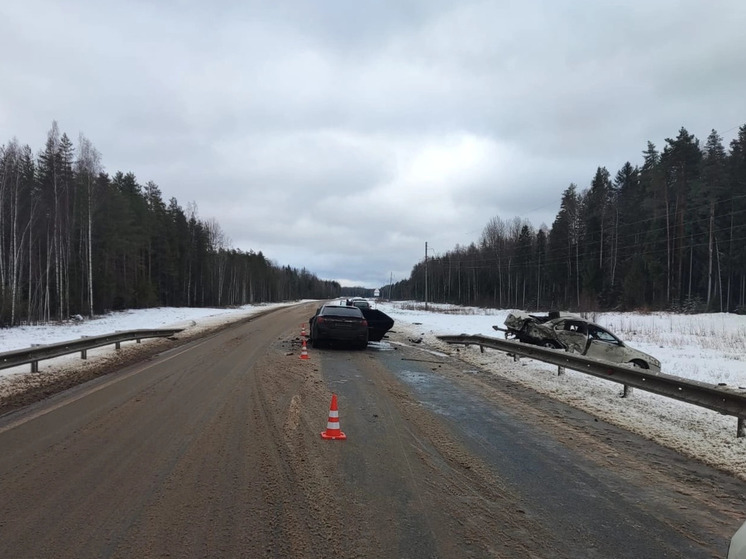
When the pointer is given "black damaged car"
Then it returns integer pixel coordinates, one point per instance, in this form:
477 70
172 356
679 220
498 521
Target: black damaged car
337 323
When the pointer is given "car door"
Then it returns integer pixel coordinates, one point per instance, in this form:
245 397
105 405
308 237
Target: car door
572 333
604 345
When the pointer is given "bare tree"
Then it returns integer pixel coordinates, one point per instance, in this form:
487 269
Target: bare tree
88 167
218 243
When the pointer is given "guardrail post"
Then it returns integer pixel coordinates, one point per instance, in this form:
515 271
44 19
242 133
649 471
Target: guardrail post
560 370
627 391
118 345
741 430
84 354
35 364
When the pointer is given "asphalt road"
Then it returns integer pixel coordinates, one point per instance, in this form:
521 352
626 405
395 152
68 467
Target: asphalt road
213 449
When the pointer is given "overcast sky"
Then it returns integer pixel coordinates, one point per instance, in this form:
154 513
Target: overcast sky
341 136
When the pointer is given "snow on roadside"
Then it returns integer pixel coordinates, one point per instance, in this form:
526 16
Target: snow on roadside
192 320
21 337
708 348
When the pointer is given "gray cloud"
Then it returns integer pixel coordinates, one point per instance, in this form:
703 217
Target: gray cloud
340 137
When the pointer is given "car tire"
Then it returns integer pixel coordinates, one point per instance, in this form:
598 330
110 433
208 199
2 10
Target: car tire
638 364
550 344
315 341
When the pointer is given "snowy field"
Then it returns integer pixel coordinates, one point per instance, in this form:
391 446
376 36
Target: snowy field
709 348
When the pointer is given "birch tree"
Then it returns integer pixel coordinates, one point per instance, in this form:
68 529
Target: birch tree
88 167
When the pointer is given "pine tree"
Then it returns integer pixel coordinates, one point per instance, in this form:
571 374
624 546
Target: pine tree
681 167
736 169
713 187
564 243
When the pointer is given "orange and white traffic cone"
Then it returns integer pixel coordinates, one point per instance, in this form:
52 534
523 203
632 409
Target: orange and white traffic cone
302 330
304 350
332 427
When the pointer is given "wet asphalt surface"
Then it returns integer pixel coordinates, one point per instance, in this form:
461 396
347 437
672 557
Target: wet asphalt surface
592 511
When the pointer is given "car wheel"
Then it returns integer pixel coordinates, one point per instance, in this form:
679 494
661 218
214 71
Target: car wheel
550 344
638 364
315 341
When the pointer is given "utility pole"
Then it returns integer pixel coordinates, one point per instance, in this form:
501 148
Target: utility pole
391 281
425 275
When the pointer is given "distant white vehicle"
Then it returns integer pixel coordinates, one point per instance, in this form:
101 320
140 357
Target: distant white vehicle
358 302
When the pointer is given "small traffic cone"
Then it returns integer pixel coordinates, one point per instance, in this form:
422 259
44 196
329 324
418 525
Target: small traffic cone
304 350
332 426
302 330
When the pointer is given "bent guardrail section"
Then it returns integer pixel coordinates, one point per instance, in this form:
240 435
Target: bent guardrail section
716 398
38 353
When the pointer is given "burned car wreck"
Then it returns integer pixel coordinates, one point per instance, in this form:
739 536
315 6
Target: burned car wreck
575 334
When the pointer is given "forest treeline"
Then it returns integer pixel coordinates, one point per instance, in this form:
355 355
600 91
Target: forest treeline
74 240
667 234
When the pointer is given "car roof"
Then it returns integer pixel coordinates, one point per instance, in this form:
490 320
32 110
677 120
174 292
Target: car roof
577 318
341 310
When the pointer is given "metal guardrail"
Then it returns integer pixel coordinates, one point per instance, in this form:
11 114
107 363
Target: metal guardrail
38 353
716 398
